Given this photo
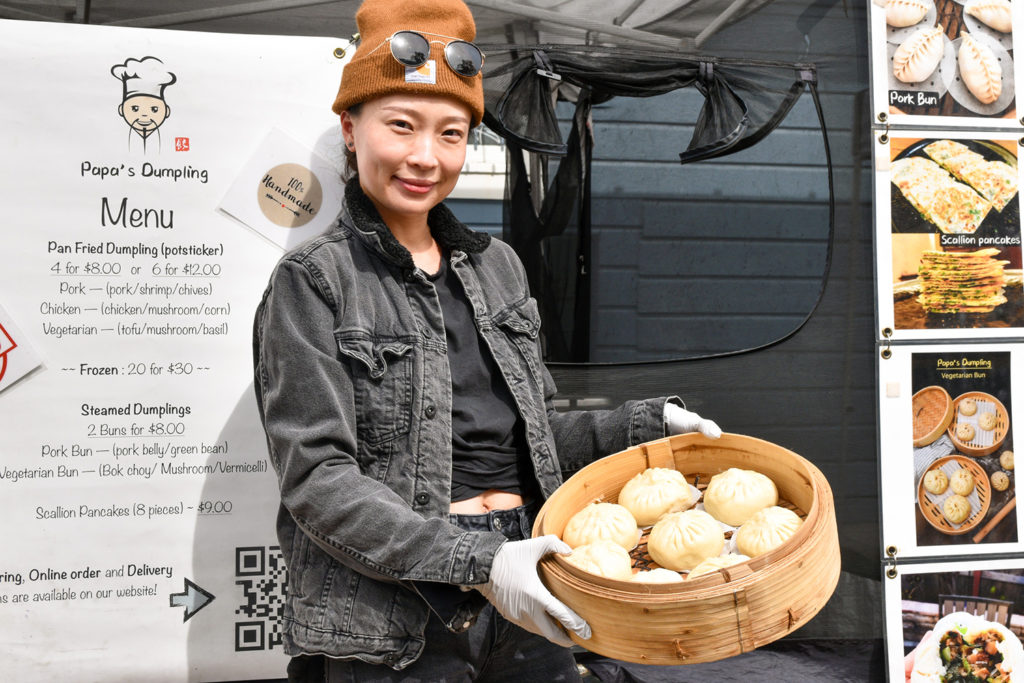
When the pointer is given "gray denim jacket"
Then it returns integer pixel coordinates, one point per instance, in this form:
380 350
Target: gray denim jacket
354 390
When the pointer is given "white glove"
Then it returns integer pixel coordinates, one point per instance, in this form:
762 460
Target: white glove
517 593
680 421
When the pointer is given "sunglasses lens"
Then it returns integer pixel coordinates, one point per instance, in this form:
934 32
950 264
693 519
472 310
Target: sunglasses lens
410 48
464 58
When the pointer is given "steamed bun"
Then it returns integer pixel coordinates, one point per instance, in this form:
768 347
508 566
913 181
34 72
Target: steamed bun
657 575
767 530
735 495
713 564
654 492
602 521
682 540
604 558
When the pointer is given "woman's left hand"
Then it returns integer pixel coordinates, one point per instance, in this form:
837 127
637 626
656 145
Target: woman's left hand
681 421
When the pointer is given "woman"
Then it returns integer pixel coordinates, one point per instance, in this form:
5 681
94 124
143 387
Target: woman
407 408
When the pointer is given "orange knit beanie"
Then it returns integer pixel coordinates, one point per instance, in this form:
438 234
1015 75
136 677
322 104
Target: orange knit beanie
374 72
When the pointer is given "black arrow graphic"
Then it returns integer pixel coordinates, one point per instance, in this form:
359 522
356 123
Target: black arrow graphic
193 599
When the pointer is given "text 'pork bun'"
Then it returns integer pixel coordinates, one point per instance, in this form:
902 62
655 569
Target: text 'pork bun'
961 642
655 492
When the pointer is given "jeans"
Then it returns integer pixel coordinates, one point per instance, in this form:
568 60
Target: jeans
493 650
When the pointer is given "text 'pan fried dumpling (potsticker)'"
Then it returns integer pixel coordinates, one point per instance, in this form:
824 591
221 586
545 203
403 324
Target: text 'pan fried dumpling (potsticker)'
767 530
901 13
657 575
993 13
604 558
713 564
918 56
602 521
682 540
970 648
979 69
735 495
655 492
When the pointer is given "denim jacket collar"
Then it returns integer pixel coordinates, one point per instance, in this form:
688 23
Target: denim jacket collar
366 221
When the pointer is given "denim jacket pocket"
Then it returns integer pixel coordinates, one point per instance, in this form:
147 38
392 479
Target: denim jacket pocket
382 370
521 318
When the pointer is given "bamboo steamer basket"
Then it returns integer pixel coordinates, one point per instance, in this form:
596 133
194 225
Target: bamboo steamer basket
931 504
717 615
999 432
933 411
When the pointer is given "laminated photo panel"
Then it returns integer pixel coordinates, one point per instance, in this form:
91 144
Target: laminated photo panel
948 235
918 596
946 422
935 64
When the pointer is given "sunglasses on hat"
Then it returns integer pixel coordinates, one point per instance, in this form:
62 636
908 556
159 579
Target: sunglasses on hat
412 49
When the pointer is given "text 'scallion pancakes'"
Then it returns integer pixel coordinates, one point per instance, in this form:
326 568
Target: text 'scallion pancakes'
961 282
953 207
963 647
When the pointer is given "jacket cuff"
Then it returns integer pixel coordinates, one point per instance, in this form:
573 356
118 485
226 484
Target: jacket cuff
648 419
474 556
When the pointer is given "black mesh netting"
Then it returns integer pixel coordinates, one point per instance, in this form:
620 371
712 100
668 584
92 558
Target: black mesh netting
744 100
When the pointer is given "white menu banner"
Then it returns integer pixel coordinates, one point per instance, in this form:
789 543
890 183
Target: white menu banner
137 495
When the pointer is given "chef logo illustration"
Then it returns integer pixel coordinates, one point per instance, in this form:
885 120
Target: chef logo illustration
143 106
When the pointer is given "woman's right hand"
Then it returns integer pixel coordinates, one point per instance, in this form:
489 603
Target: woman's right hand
516 591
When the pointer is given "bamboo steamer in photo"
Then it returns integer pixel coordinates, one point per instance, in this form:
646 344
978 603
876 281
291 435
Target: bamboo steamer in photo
718 615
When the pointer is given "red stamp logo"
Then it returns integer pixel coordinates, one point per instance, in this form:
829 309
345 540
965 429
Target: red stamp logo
6 345
180 144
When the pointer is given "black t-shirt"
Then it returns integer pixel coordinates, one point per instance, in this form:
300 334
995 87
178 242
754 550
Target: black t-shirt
488 449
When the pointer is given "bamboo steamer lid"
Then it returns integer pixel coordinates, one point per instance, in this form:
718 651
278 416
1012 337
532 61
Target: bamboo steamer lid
723 613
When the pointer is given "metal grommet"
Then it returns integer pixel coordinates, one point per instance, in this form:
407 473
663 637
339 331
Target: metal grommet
883 117
891 571
339 52
886 353
887 332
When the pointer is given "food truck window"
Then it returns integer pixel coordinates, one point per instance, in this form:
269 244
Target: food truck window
687 260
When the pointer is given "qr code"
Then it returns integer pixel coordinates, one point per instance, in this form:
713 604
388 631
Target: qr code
263 579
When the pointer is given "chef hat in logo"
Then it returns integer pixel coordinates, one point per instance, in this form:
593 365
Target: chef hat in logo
146 76
374 72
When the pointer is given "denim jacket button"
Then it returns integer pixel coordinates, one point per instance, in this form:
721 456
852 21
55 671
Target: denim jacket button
430 411
422 498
